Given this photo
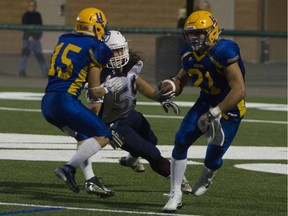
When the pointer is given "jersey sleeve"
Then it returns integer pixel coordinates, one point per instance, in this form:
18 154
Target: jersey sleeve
186 57
100 54
229 54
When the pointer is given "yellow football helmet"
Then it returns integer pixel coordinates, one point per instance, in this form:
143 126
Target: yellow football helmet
201 30
91 21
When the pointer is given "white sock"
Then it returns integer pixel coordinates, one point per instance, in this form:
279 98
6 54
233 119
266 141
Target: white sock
87 169
88 148
178 168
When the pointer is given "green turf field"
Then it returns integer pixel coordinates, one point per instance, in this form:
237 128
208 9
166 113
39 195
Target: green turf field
29 187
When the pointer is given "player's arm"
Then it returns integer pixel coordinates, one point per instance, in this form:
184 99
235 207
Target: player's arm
145 88
95 107
94 89
148 91
170 87
236 82
181 77
236 94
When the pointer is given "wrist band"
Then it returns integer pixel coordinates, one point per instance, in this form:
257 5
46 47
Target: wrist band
215 111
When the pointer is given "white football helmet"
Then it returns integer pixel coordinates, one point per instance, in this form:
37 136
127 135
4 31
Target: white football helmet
116 41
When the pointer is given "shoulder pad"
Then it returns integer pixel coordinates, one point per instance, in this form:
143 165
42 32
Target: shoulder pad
137 68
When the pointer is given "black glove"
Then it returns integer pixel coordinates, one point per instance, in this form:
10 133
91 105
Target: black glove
117 141
169 104
160 95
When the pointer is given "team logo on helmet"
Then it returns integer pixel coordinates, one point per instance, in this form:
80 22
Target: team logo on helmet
99 18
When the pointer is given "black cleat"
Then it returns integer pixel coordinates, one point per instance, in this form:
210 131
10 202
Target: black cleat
67 174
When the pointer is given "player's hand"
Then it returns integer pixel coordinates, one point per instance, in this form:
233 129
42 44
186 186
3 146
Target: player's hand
113 85
117 141
93 100
215 134
205 120
90 99
160 94
169 104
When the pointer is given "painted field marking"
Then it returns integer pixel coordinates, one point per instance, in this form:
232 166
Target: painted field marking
32 96
35 147
152 116
27 211
90 209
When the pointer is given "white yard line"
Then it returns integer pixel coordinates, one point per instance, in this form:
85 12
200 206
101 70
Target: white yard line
61 148
151 116
34 147
32 96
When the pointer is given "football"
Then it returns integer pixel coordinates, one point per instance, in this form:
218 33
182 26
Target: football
172 85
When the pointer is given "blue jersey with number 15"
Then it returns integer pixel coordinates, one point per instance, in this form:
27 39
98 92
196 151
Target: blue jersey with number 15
74 55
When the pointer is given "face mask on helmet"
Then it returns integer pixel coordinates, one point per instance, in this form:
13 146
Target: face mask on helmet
201 30
119 47
198 39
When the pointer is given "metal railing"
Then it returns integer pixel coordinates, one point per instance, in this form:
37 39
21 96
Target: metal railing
173 31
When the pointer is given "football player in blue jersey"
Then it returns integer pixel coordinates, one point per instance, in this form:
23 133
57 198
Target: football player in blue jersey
214 65
79 58
118 109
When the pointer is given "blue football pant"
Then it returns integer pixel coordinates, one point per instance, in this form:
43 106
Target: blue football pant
63 109
188 133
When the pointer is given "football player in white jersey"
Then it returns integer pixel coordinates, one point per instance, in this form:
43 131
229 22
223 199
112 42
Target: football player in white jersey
117 109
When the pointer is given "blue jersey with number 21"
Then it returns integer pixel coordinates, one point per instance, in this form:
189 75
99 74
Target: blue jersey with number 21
207 71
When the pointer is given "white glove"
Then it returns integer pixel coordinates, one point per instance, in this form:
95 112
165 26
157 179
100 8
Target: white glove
113 85
215 134
205 120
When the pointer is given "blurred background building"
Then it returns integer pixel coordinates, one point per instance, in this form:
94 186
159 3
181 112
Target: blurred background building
257 15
